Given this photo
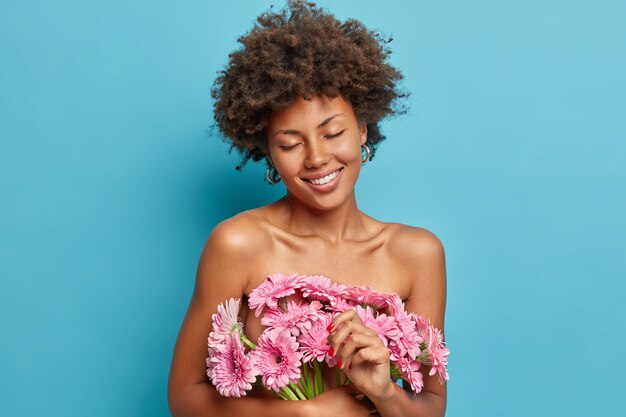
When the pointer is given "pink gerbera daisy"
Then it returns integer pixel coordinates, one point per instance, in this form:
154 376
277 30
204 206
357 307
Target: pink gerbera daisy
411 373
394 352
277 359
225 321
275 287
422 324
229 368
314 345
435 351
299 317
438 355
384 325
395 304
319 287
365 296
408 344
339 305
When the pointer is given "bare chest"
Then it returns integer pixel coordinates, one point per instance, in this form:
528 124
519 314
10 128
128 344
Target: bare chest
368 264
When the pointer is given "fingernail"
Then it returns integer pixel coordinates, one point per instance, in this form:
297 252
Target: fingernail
339 363
330 326
331 351
350 366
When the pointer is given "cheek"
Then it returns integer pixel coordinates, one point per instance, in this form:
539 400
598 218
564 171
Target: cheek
289 166
349 151
345 145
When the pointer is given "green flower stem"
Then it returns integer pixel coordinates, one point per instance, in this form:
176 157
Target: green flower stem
282 396
316 384
305 381
298 392
308 391
247 341
319 383
289 393
337 377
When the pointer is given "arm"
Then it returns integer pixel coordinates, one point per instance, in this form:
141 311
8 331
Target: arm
222 273
426 258
423 255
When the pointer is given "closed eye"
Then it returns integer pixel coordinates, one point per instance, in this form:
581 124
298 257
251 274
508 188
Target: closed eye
335 135
288 148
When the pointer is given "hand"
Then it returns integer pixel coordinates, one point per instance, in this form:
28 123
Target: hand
361 354
344 401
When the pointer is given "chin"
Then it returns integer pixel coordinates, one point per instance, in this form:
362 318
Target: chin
324 203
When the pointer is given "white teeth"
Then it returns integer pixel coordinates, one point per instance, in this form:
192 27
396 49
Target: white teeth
325 180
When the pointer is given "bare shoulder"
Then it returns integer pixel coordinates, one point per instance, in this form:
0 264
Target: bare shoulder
414 244
420 254
232 250
240 234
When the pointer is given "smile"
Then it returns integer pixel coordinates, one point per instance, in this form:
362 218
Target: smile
324 180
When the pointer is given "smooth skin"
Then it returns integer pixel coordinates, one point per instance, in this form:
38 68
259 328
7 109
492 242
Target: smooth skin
314 230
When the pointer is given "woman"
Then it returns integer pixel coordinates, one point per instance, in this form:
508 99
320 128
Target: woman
306 93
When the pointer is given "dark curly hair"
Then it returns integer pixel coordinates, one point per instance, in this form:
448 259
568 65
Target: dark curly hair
301 51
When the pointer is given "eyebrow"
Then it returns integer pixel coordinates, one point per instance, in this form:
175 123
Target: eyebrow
295 132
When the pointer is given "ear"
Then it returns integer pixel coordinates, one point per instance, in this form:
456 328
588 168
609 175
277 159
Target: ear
363 131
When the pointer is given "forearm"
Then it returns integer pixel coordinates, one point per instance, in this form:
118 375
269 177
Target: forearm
202 400
399 403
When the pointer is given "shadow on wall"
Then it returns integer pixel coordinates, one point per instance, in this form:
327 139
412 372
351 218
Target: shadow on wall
222 192
203 187
201 190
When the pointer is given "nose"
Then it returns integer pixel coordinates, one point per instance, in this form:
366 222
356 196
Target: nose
317 155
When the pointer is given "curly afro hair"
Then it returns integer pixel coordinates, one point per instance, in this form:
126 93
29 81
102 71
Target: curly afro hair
302 51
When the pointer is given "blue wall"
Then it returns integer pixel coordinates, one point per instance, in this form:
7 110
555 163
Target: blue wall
513 153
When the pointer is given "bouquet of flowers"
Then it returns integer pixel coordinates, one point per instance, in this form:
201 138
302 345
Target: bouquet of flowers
297 312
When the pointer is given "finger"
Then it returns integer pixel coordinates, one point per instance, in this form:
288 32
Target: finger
348 315
349 328
355 342
372 354
338 337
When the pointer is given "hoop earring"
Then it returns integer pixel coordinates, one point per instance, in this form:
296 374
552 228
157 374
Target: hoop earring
368 153
272 175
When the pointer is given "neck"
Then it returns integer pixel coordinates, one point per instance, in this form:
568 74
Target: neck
339 224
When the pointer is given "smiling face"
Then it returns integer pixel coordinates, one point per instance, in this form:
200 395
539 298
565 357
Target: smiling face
316 149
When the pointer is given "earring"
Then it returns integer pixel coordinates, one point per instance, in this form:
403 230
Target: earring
368 153
272 175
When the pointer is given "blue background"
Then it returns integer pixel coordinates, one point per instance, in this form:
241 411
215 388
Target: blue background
513 153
